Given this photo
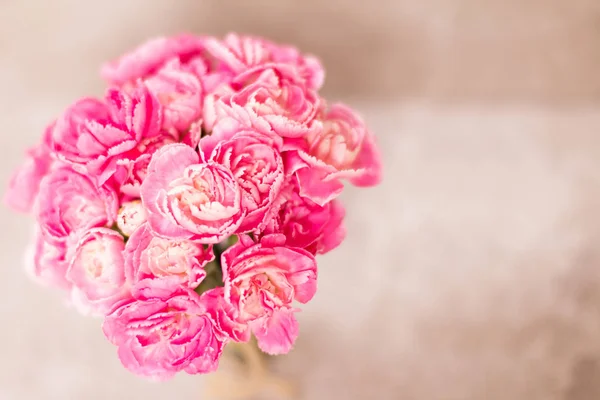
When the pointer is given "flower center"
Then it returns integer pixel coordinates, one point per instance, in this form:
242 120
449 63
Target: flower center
94 259
191 193
169 257
334 146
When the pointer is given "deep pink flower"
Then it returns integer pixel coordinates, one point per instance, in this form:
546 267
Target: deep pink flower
131 216
97 272
163 330
187 199
151 56
70 203
270 96
150 256
255 162
91 135
73 135
133 165
261 282
180 94
343 148
136 111
306 224
24 184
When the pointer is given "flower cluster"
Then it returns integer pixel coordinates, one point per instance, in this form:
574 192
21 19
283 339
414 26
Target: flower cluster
187 205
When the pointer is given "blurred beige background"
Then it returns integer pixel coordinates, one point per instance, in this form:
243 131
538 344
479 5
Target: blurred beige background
472 272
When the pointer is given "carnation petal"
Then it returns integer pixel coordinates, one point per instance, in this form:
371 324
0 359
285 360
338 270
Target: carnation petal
277 333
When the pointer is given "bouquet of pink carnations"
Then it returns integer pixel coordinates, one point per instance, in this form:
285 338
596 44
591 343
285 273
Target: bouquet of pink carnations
186 207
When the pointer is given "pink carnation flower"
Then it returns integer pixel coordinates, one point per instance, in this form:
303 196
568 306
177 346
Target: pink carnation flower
343 148
150 256
151 56
97 272
91 135
305 224
238 53
261 282
187 199
308 67
273 97
180 94
135 111
242 53
164 329
255 162
70 203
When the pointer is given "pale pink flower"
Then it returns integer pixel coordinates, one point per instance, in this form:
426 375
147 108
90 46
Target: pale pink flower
271 96
24 184
305 224
343 148
131 216
255 162
261 282
151 56
47 262
91 135
180 94
150 256
187 199
97 272
164 329
70 203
